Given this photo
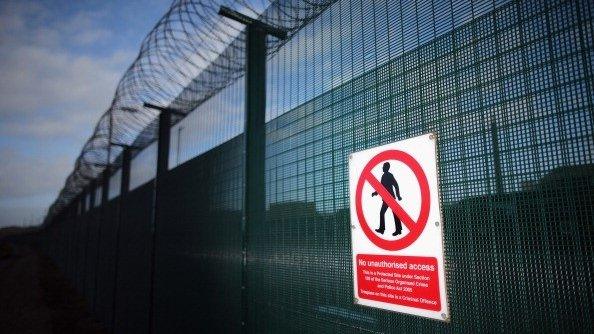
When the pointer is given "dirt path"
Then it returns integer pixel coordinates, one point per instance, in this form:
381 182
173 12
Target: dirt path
36 298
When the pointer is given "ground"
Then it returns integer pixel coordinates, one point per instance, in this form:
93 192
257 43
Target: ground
36 298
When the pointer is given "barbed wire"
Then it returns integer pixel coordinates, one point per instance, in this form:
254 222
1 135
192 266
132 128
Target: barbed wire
191 54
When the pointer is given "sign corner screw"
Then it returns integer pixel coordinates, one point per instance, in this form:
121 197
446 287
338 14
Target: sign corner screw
444 316
436 223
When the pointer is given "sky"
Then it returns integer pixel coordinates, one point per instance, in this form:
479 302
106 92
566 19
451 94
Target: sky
60 62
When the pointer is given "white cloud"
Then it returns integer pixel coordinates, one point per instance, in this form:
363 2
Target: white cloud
53 86
24 175
91 36
41 78
28 185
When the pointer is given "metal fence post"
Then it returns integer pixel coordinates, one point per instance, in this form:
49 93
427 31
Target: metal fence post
102 218
92 189
162 167
254 203
254 149
124 188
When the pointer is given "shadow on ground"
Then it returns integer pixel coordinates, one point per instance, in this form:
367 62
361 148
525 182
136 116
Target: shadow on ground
36 298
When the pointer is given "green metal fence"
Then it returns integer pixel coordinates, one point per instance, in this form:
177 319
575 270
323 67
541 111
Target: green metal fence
510 95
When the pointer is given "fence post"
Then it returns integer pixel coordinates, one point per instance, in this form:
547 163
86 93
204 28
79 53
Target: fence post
74 268
100 220
92 199
254 149
124 188
92 189
254 202
162 167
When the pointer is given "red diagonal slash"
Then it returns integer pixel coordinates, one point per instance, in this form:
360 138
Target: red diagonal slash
387 197
415 227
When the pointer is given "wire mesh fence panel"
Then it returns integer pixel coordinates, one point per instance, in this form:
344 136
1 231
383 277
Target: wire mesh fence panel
198 245
132 294
143 167
81 252
481 89
72 253
91 257
508 88
106 264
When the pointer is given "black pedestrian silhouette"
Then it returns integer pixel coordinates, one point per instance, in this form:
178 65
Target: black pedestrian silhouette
388 181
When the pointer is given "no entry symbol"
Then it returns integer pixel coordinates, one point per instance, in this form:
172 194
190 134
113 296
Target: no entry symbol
410 192
415 226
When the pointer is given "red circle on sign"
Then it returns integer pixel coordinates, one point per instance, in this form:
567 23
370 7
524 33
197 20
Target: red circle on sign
415 228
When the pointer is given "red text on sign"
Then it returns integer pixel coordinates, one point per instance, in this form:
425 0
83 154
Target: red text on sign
402 280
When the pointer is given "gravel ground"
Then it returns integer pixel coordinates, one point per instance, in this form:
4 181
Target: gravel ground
36 298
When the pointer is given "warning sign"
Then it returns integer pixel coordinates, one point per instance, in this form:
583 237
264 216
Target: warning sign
397 240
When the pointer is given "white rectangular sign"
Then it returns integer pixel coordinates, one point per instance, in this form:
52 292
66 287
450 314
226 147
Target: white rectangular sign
397 229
